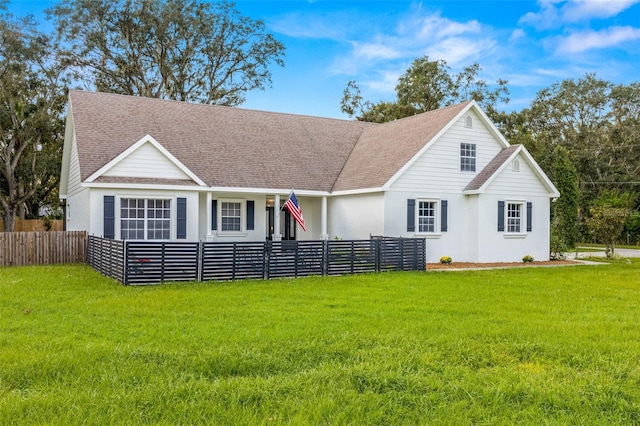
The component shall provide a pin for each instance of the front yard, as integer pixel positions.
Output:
(527, 345)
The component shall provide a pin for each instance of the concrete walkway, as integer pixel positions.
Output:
(619, 252)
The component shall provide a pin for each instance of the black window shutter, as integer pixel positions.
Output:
(214, 215)
(109, 230)
(500, 216)
(529, 216)
(411, 215)
(181, 218)
(250, 215)
(444, 206)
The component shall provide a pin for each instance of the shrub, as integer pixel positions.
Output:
(527, 258)
(445, 260)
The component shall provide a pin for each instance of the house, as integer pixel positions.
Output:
(147, 169)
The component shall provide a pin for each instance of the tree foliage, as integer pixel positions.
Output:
(597, 122)
(564, 218)
(425, 86)
(606, 223)
(31, 101)
(187, 50)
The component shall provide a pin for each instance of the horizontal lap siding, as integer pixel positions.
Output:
(522, 183)
(147, 162)
(438, 170)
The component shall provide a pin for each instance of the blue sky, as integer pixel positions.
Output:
(532, 44)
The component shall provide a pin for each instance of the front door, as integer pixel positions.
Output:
(287, 223)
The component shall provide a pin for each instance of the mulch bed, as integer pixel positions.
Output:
(470, 265)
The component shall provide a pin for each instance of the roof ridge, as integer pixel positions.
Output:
(196, 104)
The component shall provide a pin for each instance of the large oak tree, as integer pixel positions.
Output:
(187, 50)
(31, 102)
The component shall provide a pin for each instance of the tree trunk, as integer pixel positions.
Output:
(9, 219)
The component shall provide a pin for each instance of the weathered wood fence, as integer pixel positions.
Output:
(133, 262)
(42, 248)
(34, 225)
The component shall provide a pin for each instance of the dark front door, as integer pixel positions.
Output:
(287, 224)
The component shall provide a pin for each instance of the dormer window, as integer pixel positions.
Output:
(468, 121)
(467, 157)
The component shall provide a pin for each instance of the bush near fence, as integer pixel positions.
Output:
(42, 248)
(143, 262)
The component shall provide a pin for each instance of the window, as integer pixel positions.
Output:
(427, 216)
(142, 219)
(515, 165)
(468, 121)
(231, 216)
(514, 217)
(468, 157)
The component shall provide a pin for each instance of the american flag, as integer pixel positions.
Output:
(294, 209)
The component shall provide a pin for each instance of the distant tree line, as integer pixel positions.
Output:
(584, 133)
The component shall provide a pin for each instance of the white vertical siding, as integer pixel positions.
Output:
(146, 162)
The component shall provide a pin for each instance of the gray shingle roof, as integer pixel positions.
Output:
(491, 168)
(383, 150)
(234, 147)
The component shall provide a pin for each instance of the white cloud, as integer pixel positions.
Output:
(579, 10)
(375, 51)
(555, 13)
(587, 40)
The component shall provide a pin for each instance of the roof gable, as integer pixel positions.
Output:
(487, 175)
(385, 151)
(146, 159)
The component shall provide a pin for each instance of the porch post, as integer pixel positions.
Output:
(209, 236)
(277, 236)
(323, 219)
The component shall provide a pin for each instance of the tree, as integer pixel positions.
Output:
(606, 223)
(30, 125)
(187, 50)
(425, 86)
(564, 221)
(596, 121)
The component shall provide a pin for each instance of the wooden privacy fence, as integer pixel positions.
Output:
(34, 225)
(42, 248)
(132, 262)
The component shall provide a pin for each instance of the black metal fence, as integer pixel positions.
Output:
(132, 262)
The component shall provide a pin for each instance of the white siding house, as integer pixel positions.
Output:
(138, 168)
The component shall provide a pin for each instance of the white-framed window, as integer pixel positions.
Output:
(514, 217)
(145, 219)
(230, 216)
(468, 121)
(467, 157)
(427, 219)
(515, 165)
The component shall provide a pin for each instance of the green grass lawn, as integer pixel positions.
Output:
(528, 345)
